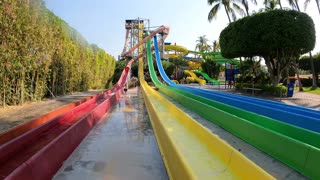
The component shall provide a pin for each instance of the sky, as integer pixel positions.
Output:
(102, 22)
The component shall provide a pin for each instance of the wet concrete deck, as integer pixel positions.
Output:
(121, 146)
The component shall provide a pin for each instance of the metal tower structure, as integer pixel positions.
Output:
(134, 33)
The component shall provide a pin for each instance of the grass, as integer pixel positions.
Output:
(308, 89)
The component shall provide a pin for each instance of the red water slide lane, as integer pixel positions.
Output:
(19, 130)
(19, 157)
(45, 163)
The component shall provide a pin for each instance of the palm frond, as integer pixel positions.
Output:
(292, 4)
(213, 12)
(254, 2)
(238, 9)
(210, 2)
(306, 4)
(233, 14)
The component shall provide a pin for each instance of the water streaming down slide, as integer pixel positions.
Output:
(297, 147)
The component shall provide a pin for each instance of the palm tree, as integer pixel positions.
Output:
(271, 4)
(314, 83)
(202, 44)
(246, 5)
(279, 2)
(216, 46)
(308, 1)
(229, 6)
(294, 4)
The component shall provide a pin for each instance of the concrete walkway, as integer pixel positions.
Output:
(303, 99)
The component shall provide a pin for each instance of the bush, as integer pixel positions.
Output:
(267, 88)
(276, 91)
(306, 82)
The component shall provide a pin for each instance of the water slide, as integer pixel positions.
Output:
(66, 127)
(195, 77)
(295, 146)
(207, 77)
(176, 51)
(172, 134)
(189, 150)
(215, 56)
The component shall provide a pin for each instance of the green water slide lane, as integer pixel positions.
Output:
(206, 77)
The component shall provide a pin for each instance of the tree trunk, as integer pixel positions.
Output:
(297, 5)
(287, 74)
(22, 88)
(4, 91)
(314, 82)
(227, 14)
(274, 79)
(318, 6)
(297, 72)
(280, 4)
(247, 11)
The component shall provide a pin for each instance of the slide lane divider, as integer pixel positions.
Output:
(190, 151)
(277, 105)
(299, 155)
(308, 122)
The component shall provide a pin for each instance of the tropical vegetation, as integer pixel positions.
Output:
(279, 36)
(41, 55)
(305, 64)
(202, 44)
(231, 8)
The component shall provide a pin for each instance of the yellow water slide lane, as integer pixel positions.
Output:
(189, 150)
(195, 77)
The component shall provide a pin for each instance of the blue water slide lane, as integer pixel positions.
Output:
(301, 117)
(296, 109)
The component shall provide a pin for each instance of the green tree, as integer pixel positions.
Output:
(295, 5)
(202, 44)
(305, 64)
(216, 46)
(230, 7)
(168, 67)
(279, 36)
(211, 67)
